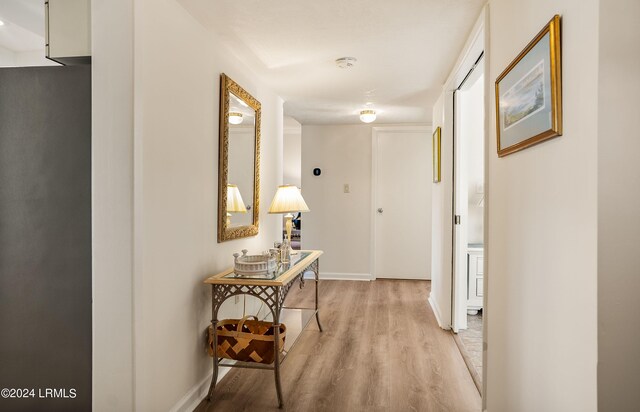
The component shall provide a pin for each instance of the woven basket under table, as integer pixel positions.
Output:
(246, 340)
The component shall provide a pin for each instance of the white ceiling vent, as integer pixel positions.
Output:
(346, 62)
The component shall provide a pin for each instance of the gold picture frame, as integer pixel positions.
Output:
(529, 93)
(436, 154)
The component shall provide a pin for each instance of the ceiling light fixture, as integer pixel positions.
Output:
(346, 62)
(367, 116)
(1, 23)
(235, 117)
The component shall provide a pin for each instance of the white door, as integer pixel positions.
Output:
(402, 202)
(460, 215)
(468, 160)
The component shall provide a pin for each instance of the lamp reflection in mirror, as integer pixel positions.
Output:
(235, 117)
(234, 202)
(288, 200)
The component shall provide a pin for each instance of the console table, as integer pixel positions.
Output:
(272, 290)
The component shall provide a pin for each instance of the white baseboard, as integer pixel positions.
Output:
(192, 399)
(341, 276)
(436, 312)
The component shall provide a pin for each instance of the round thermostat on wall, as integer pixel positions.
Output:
(317, 171)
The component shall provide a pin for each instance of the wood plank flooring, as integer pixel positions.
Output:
(382, 350)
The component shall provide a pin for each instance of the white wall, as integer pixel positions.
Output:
(441, 217)
(618, 206)
(10, 58)
(176, 118)
(339, 223)
(292, 158)
(112, 147)
(7, 58)
(33, 58)
(155, 200)
(542, 208)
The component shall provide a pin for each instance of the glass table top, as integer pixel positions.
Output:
(280, 269)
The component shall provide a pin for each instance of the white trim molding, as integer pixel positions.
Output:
(341, 276)
(197, 393)
(436, 312)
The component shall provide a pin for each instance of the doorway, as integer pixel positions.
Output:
(292, 171)
(401, 197)
(468, 210)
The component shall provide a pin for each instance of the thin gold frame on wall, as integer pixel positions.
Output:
(225, 233)
(436, 145)
(553, 28)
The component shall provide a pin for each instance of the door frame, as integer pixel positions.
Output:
(459, 287)
(375, 132)
(479, 39)
(460, 264)
(476, 43)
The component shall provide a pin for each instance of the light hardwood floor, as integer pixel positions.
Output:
(382, 350)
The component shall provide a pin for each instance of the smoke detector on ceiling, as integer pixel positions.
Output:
(346, 62)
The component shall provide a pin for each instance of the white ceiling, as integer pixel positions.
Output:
(23, 28)
(405, 50)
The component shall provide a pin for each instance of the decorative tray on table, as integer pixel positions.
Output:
(253, 265)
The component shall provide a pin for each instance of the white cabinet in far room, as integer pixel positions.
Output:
(475, 278)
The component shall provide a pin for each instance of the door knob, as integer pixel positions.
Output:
(380, 210)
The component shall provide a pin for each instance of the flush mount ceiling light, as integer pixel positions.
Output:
(235, 117)
(346, 62)
(367, 116)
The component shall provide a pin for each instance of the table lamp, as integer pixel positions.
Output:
(288, 200)
(234, 202)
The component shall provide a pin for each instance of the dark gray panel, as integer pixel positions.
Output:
(45, 235)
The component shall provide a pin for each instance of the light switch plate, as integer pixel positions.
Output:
(347, 189)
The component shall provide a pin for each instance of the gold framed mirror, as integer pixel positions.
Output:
(238, 163)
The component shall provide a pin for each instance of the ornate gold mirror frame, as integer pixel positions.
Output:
(225, 231)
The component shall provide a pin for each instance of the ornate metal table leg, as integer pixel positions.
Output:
(214, 323)
(214, 378)
(316, 272)
(276, 334)
(276, 368)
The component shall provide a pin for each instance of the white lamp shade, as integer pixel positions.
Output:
(288, 199)
(367, 116)
(235, 117)
(234, 200)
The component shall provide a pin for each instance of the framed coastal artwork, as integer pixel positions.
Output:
(529, 94)
(435, 149)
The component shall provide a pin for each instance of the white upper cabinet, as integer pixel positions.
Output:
(68, 31)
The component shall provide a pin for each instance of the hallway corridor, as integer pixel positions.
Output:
(382, 350)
